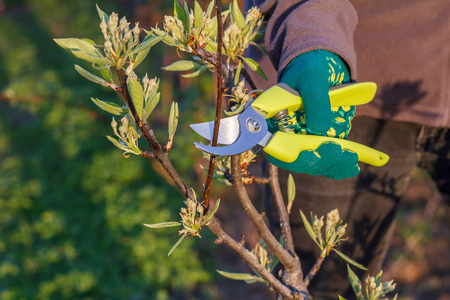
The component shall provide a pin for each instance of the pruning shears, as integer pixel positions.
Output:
(248, 129)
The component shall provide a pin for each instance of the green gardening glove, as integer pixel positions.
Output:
(312, 74)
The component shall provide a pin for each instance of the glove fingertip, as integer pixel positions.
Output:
(318, 114)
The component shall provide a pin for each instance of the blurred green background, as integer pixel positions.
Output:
(72, 208)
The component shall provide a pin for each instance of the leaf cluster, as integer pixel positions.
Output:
(122, 50)
(192, 29)
(334, 232)
(373, 289)
(193, 219)
(265, 258)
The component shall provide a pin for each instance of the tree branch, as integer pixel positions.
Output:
(147, 154)
(314, 270)
(147, 132)
(293, 276)
(285, 258)
(281, 209)
(258, 180)
(223, 237)
(219, 83)
(207, 56)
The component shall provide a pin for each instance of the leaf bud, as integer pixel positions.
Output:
(113, 123)
(341, 231)
(112, 22)
(109, 47)
(136, 32)
(103, 28)
(145, 81)
(128, 36)
(318, 223)
(333, 218)
(253, 15)
(124, 25)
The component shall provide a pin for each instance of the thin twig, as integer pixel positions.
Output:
(314, 270)
(281, 209)
(148, 154)
(293, 276)
(207, 56)
(147, 132)
(285, 258)
(219, 74)
(216, 228)
(255, 180)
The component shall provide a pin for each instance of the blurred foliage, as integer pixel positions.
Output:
(71, 207)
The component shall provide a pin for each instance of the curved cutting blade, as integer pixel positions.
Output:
(228, 130)
(251, 130)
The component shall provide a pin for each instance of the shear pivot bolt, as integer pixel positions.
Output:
(253, 125)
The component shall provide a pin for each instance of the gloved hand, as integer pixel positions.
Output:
(312, 74)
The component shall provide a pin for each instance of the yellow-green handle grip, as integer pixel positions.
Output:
(286, 146)
(281, 96)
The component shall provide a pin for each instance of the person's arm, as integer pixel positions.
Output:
(296, 27)
(310, 43)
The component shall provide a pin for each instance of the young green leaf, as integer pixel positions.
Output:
(163, 224)
(211, 29)
(196, 73)
(290, 192)
(349, 260)
(259, 47)
(147, 44)
(166, 38)
(240, 276)
(198, 14)
(110, 107)
(210, 8)
(122, 147)
(173, 119)
(309, 229)
(211, 46)
(355, 283)
(151, 103)
(89, 41)
(116, 143)
(178, 12)
(254, 66)
(187, 24)
(341, 298)
(238, 73)
(106, 74)
(101, 14)
(82, 49)
(91, 77)
(237, 16)
(177, 244)
(211, 213)
(137, 95)
(182, 65)
(378, 278)
(140, 57)
(237, 110)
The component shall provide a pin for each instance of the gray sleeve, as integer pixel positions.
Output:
(296, 27)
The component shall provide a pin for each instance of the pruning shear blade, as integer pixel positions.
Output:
(239, 133)
(228, 130)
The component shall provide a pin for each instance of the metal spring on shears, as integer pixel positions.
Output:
(283, 121)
